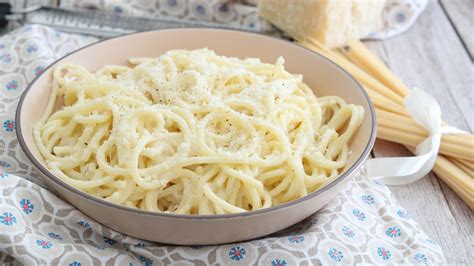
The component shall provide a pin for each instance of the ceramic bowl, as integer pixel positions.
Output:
(325, 77)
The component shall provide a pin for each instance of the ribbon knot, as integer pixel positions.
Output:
(426, 112)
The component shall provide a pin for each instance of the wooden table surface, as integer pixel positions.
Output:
(436, 54)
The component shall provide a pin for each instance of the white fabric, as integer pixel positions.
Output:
(398, 15)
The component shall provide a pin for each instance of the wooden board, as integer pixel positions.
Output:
(432, 56)
(460, 13)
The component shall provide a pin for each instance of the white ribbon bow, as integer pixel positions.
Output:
(403, 170)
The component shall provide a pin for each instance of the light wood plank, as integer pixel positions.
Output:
(432, 57)
(460, 13)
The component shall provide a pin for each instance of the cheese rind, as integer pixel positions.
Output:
(332, 22)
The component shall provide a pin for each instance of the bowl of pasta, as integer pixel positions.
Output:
(196, 133)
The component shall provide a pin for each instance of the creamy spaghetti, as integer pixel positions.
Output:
(192, 132)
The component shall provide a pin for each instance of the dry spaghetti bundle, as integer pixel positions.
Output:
(455, 163)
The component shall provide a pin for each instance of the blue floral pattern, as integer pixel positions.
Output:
(4, 164)
(296, 239)
(398, 16)
(83, 223)
(44, 244)
(109, 241)
(55, 236)
(335, 255)
(403, 214)
(31, 48)
(26, 206)
(146, 261)
(38, 70)
(3, 175)
(75, 263)
(5, 57)
(201, 9)
(359, 214)
(393, 232)
(237, 253)
(348, 232)
(384, 253)
(7, 218)
(278, 262)
(368, 199)
(8, 125)
(12, 85)
(422, 258)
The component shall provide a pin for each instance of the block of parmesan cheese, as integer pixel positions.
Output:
(332, 22)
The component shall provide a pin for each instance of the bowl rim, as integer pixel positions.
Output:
(352, 169)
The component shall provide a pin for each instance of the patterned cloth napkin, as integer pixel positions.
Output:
(398, 15)
(364, 224)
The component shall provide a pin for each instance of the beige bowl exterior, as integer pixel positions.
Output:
(319, 73)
